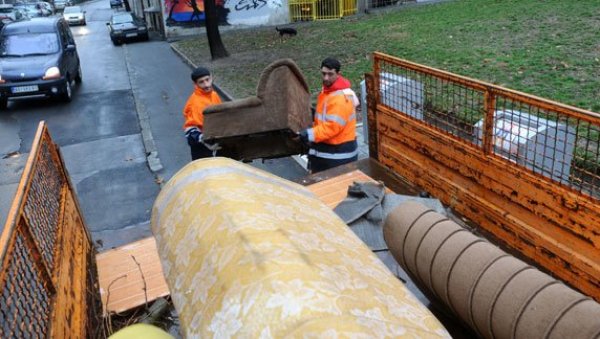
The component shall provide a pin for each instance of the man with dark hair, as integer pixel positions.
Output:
(332, 138)
(203, 96)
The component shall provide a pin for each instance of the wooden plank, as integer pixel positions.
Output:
(117, 269)
(332, 191)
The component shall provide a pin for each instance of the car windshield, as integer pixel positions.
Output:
(121, 19)
(28, 44)
(75, 9)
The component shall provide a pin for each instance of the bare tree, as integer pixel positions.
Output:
(174, 3)
(196, 11)
(217, 49)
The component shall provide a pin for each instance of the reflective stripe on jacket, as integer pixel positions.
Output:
(195, 106)
(344, 150)
(335, 118)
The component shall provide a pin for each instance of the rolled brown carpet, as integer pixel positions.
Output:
(492, 292)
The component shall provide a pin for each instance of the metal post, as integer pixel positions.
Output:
(488, 122)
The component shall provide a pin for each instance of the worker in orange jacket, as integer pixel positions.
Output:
(332, 138)
(203, 96)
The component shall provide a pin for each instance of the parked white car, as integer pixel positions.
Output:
(61, 4)
(47, 6)
(74, 15)
(33, 9)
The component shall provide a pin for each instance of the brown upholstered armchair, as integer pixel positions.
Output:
(262, 126)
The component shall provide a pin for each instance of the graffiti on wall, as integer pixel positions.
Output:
(252, 12)
(189, 13)
(248, 5)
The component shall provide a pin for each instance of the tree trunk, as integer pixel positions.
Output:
(217, 49)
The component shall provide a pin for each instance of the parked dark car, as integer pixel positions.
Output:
(126, 26)
(38, 57)
(116, 3)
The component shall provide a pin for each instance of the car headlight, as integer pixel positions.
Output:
(52, 73)
(142, 28)
(118, 31)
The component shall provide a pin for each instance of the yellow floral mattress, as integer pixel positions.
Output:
(248, 254)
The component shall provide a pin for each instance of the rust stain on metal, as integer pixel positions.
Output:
(371, 115)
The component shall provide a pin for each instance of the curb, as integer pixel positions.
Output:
(148, 140)
(224, 94)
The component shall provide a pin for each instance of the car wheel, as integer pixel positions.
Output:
(68, 91)
(145, 37)
(3, 103)
(79, 76)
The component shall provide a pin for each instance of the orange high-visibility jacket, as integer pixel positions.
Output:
(195, 106)
(335, 118)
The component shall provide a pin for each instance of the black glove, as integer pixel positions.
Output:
(194, 136)
(303, 136)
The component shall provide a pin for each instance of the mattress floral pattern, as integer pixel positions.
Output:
(248, 254)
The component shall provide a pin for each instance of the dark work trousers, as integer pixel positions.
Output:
(316, 164)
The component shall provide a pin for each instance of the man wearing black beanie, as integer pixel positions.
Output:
(203, 96)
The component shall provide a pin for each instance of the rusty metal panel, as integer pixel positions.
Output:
(71, 274)
(43, 204)
(25, 299)
(524, 168)
(371, 115)
(48, 284)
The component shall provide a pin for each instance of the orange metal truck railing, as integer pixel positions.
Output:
(48, 284)
(525, 169)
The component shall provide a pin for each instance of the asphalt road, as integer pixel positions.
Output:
(100, 135)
